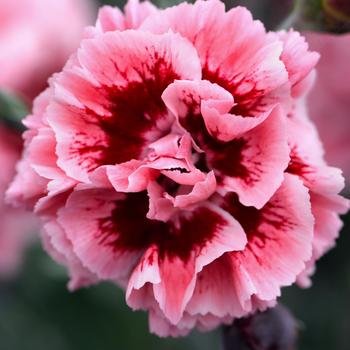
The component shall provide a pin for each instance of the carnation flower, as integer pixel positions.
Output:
(173, 155)
(15, 224)
(36, 38)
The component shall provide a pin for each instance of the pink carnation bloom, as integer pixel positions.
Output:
(176, 159)
(329, 100)
(36, 38)
(15, 224)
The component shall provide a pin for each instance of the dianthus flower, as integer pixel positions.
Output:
(173, 155)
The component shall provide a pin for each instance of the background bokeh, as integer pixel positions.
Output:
(38, 312)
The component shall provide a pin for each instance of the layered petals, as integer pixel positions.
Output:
(111, 242)
(116, 115)
(251, 165)
(235, 53)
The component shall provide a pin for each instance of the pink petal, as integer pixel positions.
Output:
(161, 207)
(134, 176)
(215, 292)
(60, 248)
(57, 193)
(225, 127)
(187, 99)
(202, 190)
(298, 59)
(95, 237)
(279, 243)
(176, 288)
(112, 19)
(136, 12)
(27, 186)
(163, 328)
(42, 154)
(109, 19)
(307, 156)
(326, 211)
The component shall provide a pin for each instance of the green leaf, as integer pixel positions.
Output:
(12, 109)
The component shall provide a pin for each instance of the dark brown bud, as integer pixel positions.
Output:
(274, 329)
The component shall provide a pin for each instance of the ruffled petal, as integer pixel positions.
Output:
(110, 18)
(279, 243)
(297, 58)
(328, 224)
(60, 248)
(307, 155)
(215, 292)
(92, 222)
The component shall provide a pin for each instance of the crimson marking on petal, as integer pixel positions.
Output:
(297, 166)
(128, 229)
(171, 187)
(135, 110)
(251, 218)
(228, 158)
(225, 158)
(193, 121)
(247, 104)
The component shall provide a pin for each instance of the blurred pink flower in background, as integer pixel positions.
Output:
(36, 37)
(329, 100)
(16, 225)
(177, 160)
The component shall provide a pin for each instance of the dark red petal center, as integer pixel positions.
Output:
(135, 111)
(251, 218)
(225, 158)
(131, 230)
